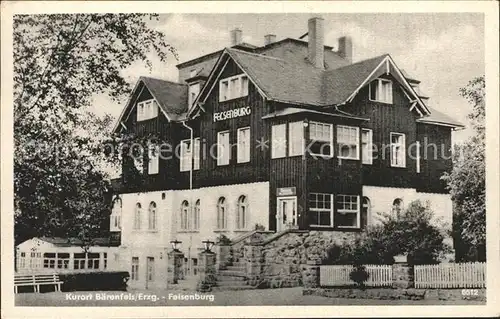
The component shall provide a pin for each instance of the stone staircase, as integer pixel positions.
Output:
(233, 277)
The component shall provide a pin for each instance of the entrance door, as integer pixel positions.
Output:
(287, 213)
(150, 271)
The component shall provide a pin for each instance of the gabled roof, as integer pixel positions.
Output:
(68, 242)
(172, 98)
(438, 118)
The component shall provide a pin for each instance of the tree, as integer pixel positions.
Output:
(466, 181)
(60, 62)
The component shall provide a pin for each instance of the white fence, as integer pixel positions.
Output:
(463, 275)
(338, 275)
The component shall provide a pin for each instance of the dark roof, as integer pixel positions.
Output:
(68, 242)
(172, 97)
(436, 117)
(301, 83)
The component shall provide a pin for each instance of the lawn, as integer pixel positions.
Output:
(264, 297)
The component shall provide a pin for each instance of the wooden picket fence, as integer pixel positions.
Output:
(338, 275)
(461, 275)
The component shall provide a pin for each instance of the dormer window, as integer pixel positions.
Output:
(147, 110)
(233, 87)
(381, 91)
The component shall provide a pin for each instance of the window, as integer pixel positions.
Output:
(105, 260)
(242, 213)
(79, 261)
(381, 90)
(185, 158)
(22, 260)
(278, 136)
(233, 87)
(397, 206)
(221, 213)
(147, 110)
(296, 137)
(194, 90)
(196, 215)
(398, 157)
(347, 211)
(63, 260)
(417, 160)
(139, 161)
(321, 136)
(152, 216)
(93, 260)
(49, 260)
(137, 216)
(366, 145)
(348, 142)
(320, 209)
(223, 148)
(151, 269)
(185, 215)
(116, 212)
(244, 145)
(194, 262)
(36, 260)
(153, 157)
(196, 154)
(365, 212)
(134, 273)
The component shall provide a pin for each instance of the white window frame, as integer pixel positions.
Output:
(239, 205)
(152, 216)
(221, 221)
(340, 127)
(243, 148)
(196, 215)
(146, 110)
(367, 154)
(196, 153)
(378, 93)
(185, 216)
(349, 211)
(322, 210)
(134, 271)
(296, 138)
(153, 159)
(278, 144)
(236, 87)
(185, 156)
(417, 160)
(116, 212)
(137, 216)
(315, 138)
(403, 150)
(226, 151)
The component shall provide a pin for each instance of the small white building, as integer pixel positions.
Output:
(60, 255)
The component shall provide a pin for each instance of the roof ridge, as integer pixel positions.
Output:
(359, 62)
(255, 54)
(163, 80)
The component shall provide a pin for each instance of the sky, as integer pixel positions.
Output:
(442, 50)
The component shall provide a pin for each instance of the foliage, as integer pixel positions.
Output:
(359, 275)
(410, 232)
(259, 227)
(223, 240)
(466, 181)
(61, 61)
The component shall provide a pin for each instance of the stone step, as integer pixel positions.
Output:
(232, 273)
(231, 283)
(231, 278)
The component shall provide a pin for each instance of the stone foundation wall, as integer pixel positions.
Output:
(285, 256)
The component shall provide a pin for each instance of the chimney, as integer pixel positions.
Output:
(236, 37)
(269, 38)
(316, 42)
(345, 48)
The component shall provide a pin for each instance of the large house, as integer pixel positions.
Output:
(287, 135)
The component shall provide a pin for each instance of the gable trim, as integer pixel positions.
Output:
(120, 118)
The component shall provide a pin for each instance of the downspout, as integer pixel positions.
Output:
(190, 185)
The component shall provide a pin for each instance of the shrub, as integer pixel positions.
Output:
(92, 281)
(259, 227)
(223, 240)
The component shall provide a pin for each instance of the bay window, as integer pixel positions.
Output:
(398, 151)
(321, 135)
(321, 209)
(348, 213)
(348, 142)
(380, 90)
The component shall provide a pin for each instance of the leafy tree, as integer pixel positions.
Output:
(466, 181)
(60, 62)
(411, 232)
